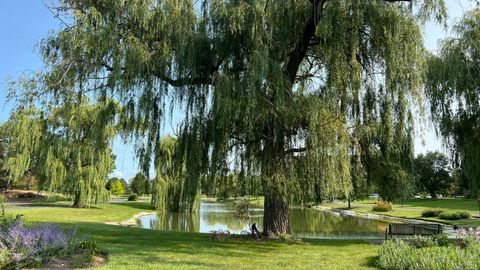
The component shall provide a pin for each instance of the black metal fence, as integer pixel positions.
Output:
(412, 229)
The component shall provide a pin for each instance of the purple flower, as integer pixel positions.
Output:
(27, 243)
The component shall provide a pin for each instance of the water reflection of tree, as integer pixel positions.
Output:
(168, 221)
(309, 221)
(304, 222)
(224, 214)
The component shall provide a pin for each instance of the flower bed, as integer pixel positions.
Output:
(29, 246)
(432, 253)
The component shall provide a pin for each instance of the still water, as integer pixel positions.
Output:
(304, 222)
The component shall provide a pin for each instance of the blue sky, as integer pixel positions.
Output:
(24, 22)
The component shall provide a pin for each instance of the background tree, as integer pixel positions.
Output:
(433, 173)
(452, 88)
(3, 171)
(117, 188)
(21, 137)
(140, 184)
(122, 181)
(271, 88)
(66, 147)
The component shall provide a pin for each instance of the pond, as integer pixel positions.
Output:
(304, 222)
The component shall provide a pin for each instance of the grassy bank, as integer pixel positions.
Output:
(135, 248)
(413, 209)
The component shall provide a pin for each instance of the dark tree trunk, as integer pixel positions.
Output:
(275, 216)
(349, 203)
(77, 202)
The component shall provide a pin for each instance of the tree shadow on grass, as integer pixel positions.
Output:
(372, 261)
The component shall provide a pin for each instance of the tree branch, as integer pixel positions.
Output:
(298, 54)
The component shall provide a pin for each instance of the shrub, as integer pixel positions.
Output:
(422, 241)
(440, 240)
(431, 213)
(133, 197)
(33, 245)
(395, 255)
(23, 247)
(454, 215)
(382, 206)
(5, 258)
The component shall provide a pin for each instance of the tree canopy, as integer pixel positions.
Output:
(433, 173)
(452, 88)
(67, 147)
(274, 89)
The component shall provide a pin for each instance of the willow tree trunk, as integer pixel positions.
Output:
(275, 216)
(77, 201)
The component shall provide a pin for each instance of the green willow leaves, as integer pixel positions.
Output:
(272, 89)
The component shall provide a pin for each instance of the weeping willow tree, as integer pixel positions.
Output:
(170, 190)
(268, 89)
(20, 137)
(66, 147)
(452, 88)
(383, 151)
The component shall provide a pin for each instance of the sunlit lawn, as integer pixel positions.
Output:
(135, 248)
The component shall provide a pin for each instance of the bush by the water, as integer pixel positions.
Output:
(454, 215)
(431, 213)
(429, 255)
(382, 206)
(133, 197)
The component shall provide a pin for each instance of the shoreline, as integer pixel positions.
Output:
(375, 216)
(132, 222)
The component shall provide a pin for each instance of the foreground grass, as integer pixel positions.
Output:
(135, 248)
(413, 209)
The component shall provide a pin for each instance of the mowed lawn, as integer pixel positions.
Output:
(135, 248)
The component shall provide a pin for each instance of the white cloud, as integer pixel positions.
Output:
(117, 174)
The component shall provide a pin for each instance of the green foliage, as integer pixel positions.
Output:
(5, 258)
(117, 188)
(171, 188)
(66, 147)
(122, 182)
(430, 255)
(419, 241)
(454, 215)
(270, 88)
(431, 213)
(242, 211)
(132, 197)
(140, 184)
(393, 181)
(432, 172)
(452, 88)
(382, 206)
(21, 138)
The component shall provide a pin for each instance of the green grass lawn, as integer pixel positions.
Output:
(135, 248)
(413, 209)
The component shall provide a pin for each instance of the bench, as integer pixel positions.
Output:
(412, 229)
